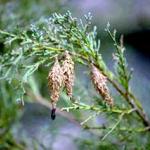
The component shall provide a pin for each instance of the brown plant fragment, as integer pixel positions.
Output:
(68, 72)
(55, 80)
(99, 81)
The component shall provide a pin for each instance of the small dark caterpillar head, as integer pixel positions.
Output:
(53, 115)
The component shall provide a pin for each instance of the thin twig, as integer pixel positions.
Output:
(90, 117)
(120, 129)
(82, 106)
(113, 128)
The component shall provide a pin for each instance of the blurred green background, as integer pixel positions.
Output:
(30, 127)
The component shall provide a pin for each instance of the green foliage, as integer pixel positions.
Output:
(123, 75)
(26, 50)
(14, 13)
(8, 115)
(45, 40)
